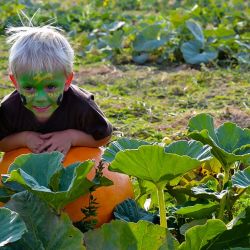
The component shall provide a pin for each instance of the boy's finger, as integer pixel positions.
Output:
(52, 148)
(45, 136)
(45, 145)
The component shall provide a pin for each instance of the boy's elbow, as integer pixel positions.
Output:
(2, 147)
(103, 141)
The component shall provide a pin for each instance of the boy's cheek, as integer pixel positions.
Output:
(29, 100)
(26, 99)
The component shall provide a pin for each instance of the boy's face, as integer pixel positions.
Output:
(42, 92)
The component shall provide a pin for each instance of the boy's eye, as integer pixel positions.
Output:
(51, 88)
(29, 89)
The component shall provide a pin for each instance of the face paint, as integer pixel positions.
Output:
(42, 93)
(23, 99)
(59, 99)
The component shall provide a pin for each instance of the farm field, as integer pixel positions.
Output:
(166, 74)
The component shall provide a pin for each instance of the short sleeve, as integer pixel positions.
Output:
(95, 123)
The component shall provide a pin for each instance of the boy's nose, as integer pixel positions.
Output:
(40, 96)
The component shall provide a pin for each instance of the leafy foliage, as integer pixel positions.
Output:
(49, 187)
(122, 235)
(192, 148)
(205, 232)
(151, 163)
(197, 210)
(196, 51)
(51, 181)
(241, 179)
(60, 233)
(121, 145)
(117, 35)
(129, 211)
(236, 235)
(12, 227)
(226, 149)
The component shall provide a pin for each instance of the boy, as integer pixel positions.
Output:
(46, 112)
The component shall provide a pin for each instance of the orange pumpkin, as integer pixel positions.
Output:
(107, 197)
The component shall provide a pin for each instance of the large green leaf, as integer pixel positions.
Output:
(114, 26)
(148, 46)
(228, 142)
(46, 165)
(150, 162)
(203, 191)
(194, 149)
(187, 226)
(149, 39)
(241, 179)
(150, 32)
(196, 30)
(46, 230)
(12, 227)
(222, 32)
(129, 211)
(5, 194)
(134, 236)
(198, 236)
(237, 235)
(114, 41)
(120, 145)
(198, 210)
(79, 185)
(141, 58)
(194, 53)
(63, 184)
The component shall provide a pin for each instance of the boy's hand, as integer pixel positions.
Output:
(33, 141)
(55, 141)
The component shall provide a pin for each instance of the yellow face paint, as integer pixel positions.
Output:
(42, 92)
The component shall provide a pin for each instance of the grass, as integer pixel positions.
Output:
(152, 102)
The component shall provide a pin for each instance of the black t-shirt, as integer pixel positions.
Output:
(77, 111)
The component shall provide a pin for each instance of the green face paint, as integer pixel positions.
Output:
(42, 92)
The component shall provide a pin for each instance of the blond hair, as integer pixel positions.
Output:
(38, 49)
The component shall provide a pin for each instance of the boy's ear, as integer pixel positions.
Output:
(14, 81)
(68, 81)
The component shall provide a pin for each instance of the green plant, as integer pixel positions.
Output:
(231, 146)
(158, 165)
(39, 187)
(197, 51)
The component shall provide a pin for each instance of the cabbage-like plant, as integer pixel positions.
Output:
(36, 189)
(231, 146)
(197, 51)
(12, 227)
(44, 175)
(156, 163)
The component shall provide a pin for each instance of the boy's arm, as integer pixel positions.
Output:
(28, 139)
(79, 138)
(63, 140)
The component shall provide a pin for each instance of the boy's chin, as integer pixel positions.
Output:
(42, 118)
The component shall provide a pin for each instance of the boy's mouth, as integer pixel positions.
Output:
(41, 109)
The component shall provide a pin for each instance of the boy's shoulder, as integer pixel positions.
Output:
(76, 94)
(11, 100)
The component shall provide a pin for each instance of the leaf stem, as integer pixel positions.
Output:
(162, 206)
(224, 199)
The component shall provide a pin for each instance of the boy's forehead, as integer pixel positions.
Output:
(39, 77)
